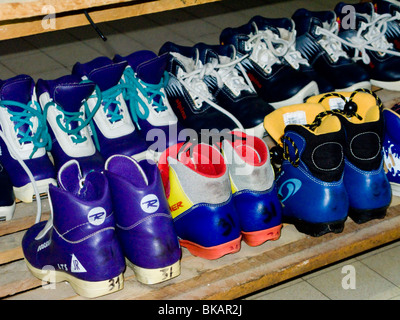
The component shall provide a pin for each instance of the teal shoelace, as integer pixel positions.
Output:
(133, 86)
(39, 138)
(66, 120)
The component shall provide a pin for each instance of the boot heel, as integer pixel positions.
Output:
(157, 275)
(88, 289)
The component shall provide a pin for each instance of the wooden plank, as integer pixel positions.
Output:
(24, 217)
(24, 27)
(26, 9)
(10, 247)
(252, 268)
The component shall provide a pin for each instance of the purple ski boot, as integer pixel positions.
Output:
(64, 101)
(24, 138)
(144, 80)
(78, 243)
(113, 130)
(144, 223)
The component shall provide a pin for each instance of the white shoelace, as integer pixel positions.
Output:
(374, 39)
(267, 48)
(330, 41)
(193, 81)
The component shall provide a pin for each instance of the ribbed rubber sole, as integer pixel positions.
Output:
(316, 229)
(152, 276)
(362, 216)
(256, 238)
(88, 289)
(212, 253)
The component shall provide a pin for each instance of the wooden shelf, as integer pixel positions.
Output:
(24, 18)
(230, 277)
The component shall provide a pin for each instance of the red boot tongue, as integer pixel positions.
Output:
(203, 159)
(248, 154)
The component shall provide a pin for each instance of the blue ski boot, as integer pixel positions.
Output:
(310, 177)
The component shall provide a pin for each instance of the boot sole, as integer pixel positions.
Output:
(316, 229)
(256, 238)
(6, 213)
(212, 253)
(88, 289)
(26, 193)
(362, 216)
(153, 276)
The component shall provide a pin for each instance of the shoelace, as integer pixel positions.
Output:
(111, 105)
(370, 36)
(193, 81)
(267, 48)
(331, 42)
(151, 92)
(29, 173)
(293, 56)
(262, 49)
(349, 110)
(67, 120)
(31, 116)
(40, 139)
(108, 99)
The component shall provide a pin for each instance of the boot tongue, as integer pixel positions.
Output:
(87, 188)
(103, 71)
(69, 93)
(310, 19)
(69, 177)
(148, 66)
(128, 168)
(207, 54)
(18, 89)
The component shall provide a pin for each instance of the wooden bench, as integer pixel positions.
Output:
(230, 277)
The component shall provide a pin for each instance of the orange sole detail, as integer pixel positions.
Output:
(257, 238)
(212, 253)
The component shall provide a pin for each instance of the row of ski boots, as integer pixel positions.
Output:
(331, 161)
(350, 47)
(104, 107)
(204, 196)
(269, 63)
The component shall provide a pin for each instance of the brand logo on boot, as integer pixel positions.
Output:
(76, 266)
(96, 216)
(150, 203)
(289, 187)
